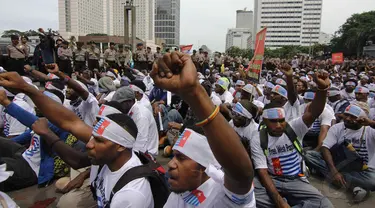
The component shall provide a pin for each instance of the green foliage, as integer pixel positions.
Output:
(236, 51)
(287, 52)
(8, 33)
(353, 34)
(97, 34)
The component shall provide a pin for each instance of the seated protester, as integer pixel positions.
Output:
(221, 90)
(249, 93)
(239, 85)
(348, 91)
(35, 164)
(371, 95)
(318, 131)
(337, 102)
(208, 87)
(12, 127)
(87, 78)
(278, 161)
(149, 84)
(356, 133)
(195, 156)
(82, 103)
(301, 88)
(106, 89)
(361, 96)
(266, 98)
(242, 121)
(147, 138)
(139, 89)
(111, 150)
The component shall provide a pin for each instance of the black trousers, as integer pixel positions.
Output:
(112, 64)
(11, 155)
(141, 65)
(149, 64)
(66, 67)
(16, 65)
(93, 64)
(79, 66)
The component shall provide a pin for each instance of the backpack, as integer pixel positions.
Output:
(290, 134)
(150, 170)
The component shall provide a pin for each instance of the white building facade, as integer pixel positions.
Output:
(79, 18)
(244, 19)
(238, 37)
(288, 22)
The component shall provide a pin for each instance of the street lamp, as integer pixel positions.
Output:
(129, 8)
(310, 30)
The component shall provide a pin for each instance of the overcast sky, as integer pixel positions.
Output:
(202, 21)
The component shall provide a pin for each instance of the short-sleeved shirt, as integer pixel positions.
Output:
(17, 52)
(282, 159)
(226, 97)
(325, 118)
(87, 109)
(12, 127)
(136, 193)
(148, 136)
(246, 132)
(338, 133)
(93, 54)
(211, 194)
(140, 55)
(150, 57)
(80, 55)
(123, 56)
(110, 55)
(292, 111)
(64, 53)
(157, 55)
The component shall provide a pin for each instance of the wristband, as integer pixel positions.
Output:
(322, 89)
(209, 118)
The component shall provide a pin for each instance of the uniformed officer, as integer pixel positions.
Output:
(206, 61)
(122, 56)
(93, 55)
(150, 58)
(158, 53)
(79, 58)
(65, 55)
(140, 59)
(24, 40)
(110, 56)
(17, 54)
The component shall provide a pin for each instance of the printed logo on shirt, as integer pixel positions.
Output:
(183, 138)
(102, 201)
(287, 164)
(195, 198)
(34, 146)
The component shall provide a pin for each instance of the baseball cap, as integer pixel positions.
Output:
(123, 94)
(223, 82)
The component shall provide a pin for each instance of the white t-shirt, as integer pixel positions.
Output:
(348, 96)
(226, 97)
(32, 154)
(247, 131)
(325, 117)
(87, 110)
(136, 193)
(291, 111)
(215, 99)
(145, 102)
(338, 133)
(283, 158)
(210, 194)
(264, 100)
(9, 202)
(148, 136)
(12, 127)
(95, 87)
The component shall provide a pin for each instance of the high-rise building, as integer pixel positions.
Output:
(244, 19)
(80, 17)
(288, 22)
(239, 36)
(145, 14)
(167, 21)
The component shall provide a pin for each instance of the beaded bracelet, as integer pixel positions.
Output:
(209, 118)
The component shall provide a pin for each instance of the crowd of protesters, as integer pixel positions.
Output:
(232, 140)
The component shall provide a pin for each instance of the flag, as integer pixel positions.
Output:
(186, 48)
(255, 65)
(183, 138)
(337, 58)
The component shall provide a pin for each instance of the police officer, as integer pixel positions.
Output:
(150, 58)
(122, 56)
(17, 54)
(79, 58)
(140, 58)
(158, 53)
(65, 55)
(24, 40)
(110, 56)
(93, 55)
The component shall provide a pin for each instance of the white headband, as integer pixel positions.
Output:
(238, 108)
(106, 110)
(274, 113)
(113, 132)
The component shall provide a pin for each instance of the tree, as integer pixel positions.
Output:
(236, 51)
(353, 34)
(8, 33)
